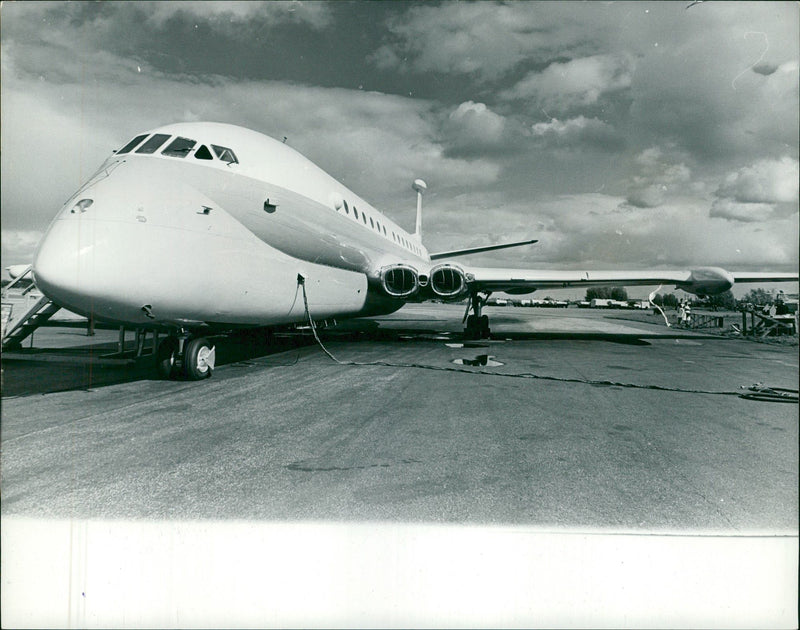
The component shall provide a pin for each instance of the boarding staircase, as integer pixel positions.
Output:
(37, 313)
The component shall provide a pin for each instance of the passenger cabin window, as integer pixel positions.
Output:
(225, 154)
(133, 143)
(179, 147)
(346, 209)
(203, 153)
(355, 211)
(153, 143)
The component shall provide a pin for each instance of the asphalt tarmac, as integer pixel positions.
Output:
(565, 421)
(544, 437)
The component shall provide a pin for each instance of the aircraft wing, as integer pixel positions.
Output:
(757, 276)
(702, 280)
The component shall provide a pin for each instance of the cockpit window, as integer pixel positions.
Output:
(179, 147)
(133, 143)
(203, 153)
(224, 154)
(153, 143)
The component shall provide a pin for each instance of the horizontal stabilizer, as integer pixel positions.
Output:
(476, 250)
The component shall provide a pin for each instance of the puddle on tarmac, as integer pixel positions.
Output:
(480, 360)
(443, 336)
(468, 344)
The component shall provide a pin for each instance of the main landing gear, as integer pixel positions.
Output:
(183, 356)
(477, 325)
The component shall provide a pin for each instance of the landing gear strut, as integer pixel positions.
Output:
(183, 356)
(477, 325)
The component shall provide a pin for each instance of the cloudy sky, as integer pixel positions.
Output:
(621, 135)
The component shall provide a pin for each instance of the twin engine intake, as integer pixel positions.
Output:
(445, 282)
(448, 282)
(400, 281)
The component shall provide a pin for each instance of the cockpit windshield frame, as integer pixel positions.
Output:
(225, 154)
(132, 144)
(153, 144)
(179, 147)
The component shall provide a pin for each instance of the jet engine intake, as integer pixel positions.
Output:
(399, 281)
(448, 282)
(708, 281)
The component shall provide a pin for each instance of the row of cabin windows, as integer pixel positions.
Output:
(179, 147)
(376, 225)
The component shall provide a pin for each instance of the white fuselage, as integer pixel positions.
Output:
(158, 240)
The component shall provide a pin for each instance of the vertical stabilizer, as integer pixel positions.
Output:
(420, 186)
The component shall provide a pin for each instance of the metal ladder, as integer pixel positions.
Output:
(41, 310)
(18, 279)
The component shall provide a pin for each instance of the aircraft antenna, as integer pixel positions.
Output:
(420, 186)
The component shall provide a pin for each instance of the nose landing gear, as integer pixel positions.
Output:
(181, 356)
(199, 359)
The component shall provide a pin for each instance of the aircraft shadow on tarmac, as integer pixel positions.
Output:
(83, 367)
(53, 373)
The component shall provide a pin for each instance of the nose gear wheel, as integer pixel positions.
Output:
(192, 359)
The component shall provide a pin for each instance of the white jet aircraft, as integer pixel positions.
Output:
(200, 227)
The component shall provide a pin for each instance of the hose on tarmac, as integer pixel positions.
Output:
(758, 391)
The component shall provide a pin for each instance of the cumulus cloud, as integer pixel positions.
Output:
(737, 211)
(766, 181)
(315, 14)
(18, 246)
(576, 132)
(755, 192)
(482, 38)
(473, 127)
(596, 230)
(711, 93)
(576, 83)
(659, 174)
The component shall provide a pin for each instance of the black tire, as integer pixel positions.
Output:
(472, 331)
(483, 326)
(198, 359)
(166, 356)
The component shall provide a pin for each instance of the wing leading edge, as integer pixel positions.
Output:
(702, 280)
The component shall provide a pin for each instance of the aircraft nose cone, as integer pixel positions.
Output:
(63, 266)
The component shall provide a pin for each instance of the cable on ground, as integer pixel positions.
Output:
(774, 394)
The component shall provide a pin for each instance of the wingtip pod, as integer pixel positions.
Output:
(714, 280)
(707, 281)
